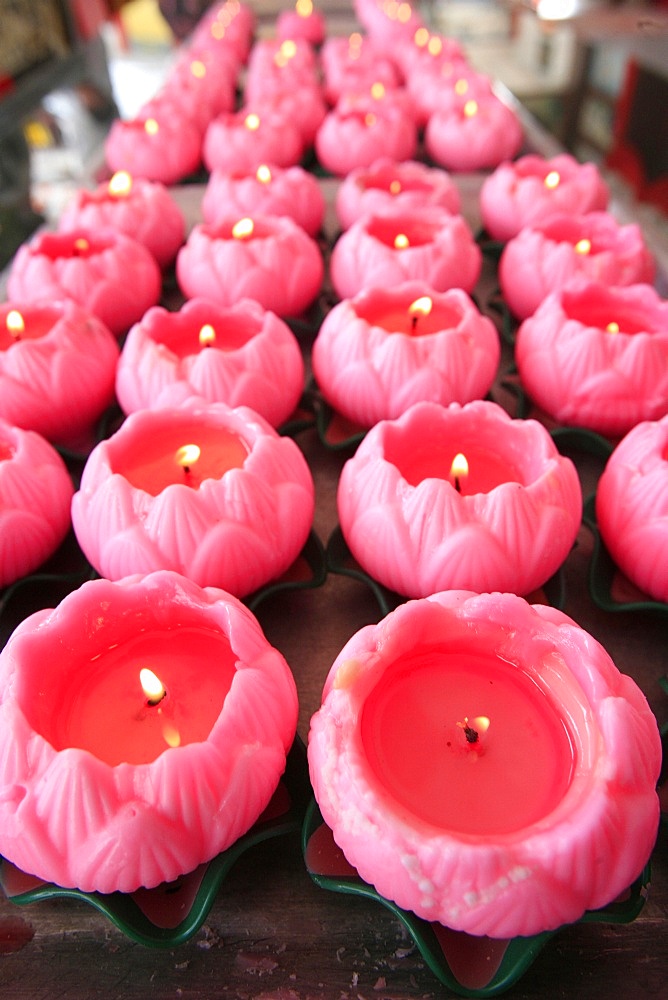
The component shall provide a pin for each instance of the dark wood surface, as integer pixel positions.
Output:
(271, 933)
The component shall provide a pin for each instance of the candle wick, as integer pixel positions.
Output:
(156, 699)
(458, 487)
(472, 735)
(414, 322)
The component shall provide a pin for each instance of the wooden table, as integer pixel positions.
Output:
(273, 934)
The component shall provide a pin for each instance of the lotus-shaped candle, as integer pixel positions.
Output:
(596, 356)
(205, 490)
(109, 274)
(139, 208)
(532, 188)
(353, 136)
(164, 149)
(144, 728)
(380, 352)
(387, 185)
(57, 369)
(241, 355)
(267, 258)
(245, 139)
(483, 763)
(475, 133)
(632, 507)
(426, 244)
(546, 255)
(269, 190)
(459, 497)
(35, 495)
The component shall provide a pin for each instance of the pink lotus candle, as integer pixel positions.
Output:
(203, 489)
(164, 149)
(442, 81)
(426, 244)
(380, 352)
(426, 50)
(245, 139)
(474, 134)
(388, 23)
(519, 194)
(226, 25)
(267, 258)
(241, 355)
(352, 137)
(387, 185)
(632, 507)
(57, 369)
(473, 756)
(597, 357)
(199, 86)
(303, 22)
(289, 61)
(145, 726)
(108, 273)
(546, 255)
(355, 64)
(459, 496)
(141, 209)
(304, 106)
(269, 190)
(35, 495)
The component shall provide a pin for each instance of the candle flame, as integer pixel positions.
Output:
(207, 335)
(288, 49)
(354, 45)
(15, 323)
(171, 735)
(421, 37)
(401, 241)
(151, 126)
(263, 174)
(81, 245)
(552, 179)
(395, 187)
(461, 87)
(435, 46)
(612, 327)
(242, 229)
(120, 184)
(304, 8)
(421, 306)
(187, 455)
(459, 469)
(217, 30)
(471, 109)
(370, 120)
(378, 90)
(474, 728)
(583, 246)
(252, 122)
(151, 686)
(198, 69)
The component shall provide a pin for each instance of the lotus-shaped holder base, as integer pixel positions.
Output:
(171, 913)
(469, 966)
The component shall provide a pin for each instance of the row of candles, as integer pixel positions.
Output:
(196, 501)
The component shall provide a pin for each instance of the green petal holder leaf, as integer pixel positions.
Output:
(469, 966)
(171, 913)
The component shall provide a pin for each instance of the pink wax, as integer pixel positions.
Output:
(532, 188)
(388, 23)
(108, 788)
(57, 369)
(383, 350)
(142, 209)
(238, 523)
(386, 185)
(270, 259)
(269, 190)
(632, 507)
(245, 139)
(545, 256)
(428, 244)
(304, 22)
(596, 356)
(109, 274)
(35, 495)
(355, 137)
(483, 763)
(225, 26)
(199, 87)
(289, 61)
(475, 133)
(304, 106)
(418, 522)
(164, 149)
(441, 82)
(355, 63)
(526, 750)
(241, 356)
